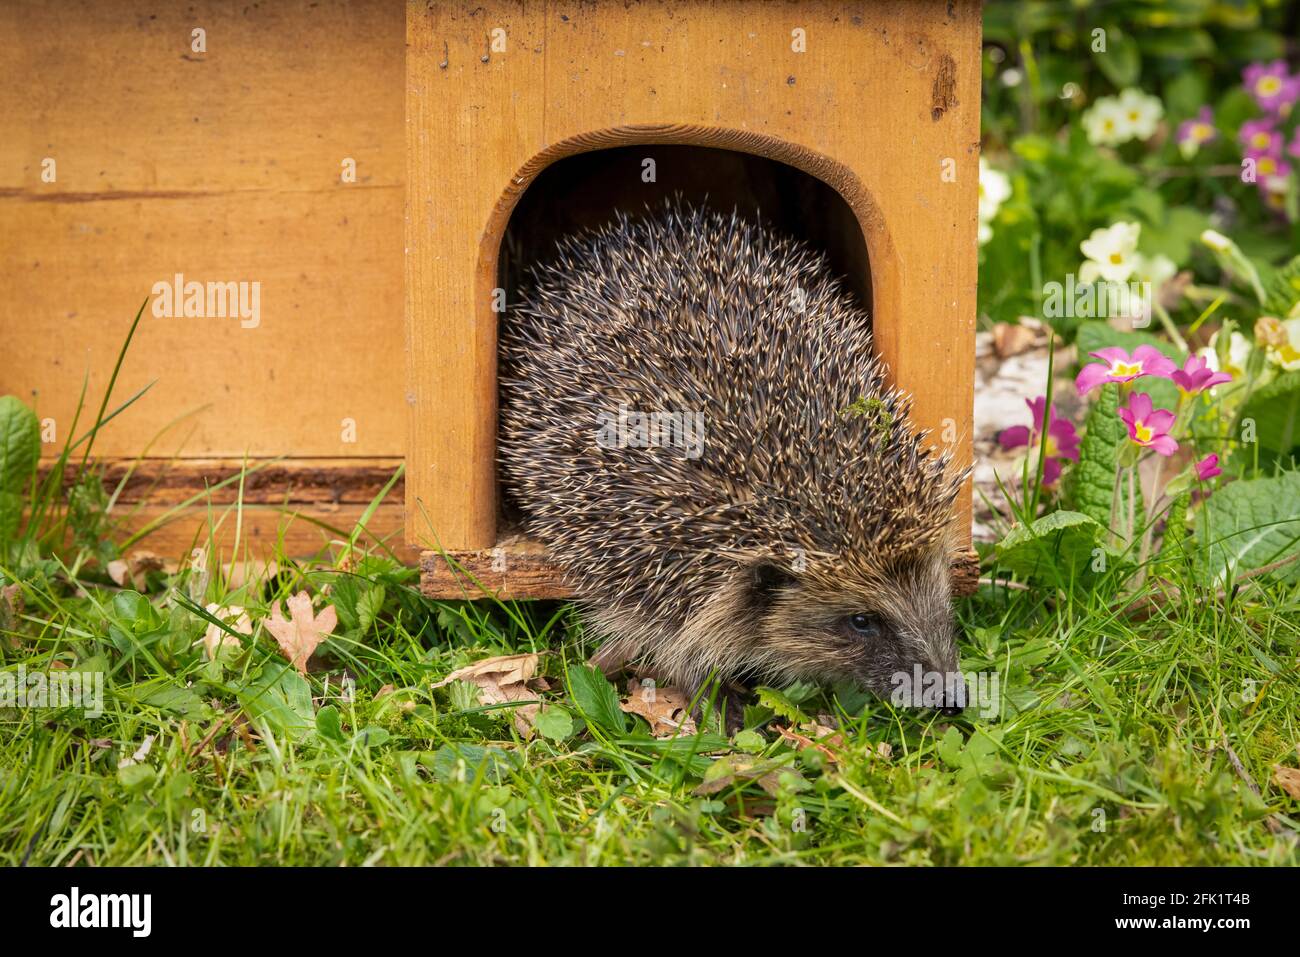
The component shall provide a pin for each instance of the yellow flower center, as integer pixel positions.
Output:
(1260, 141)
(1108, 125)
(1126, 368)
(1141, 432)
(1133, 116)
(1268, 85)
(1202, 131)
(1051, 450)
(1116, 258)
(1266, 165)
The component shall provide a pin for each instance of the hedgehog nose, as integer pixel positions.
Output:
(954, 699)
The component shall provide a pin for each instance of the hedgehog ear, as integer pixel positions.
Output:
(766, 579)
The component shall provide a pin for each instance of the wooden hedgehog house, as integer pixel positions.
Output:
(490, 131)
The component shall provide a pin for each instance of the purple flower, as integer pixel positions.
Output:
(1261, 137)
(1062, 439)
(1207, 468)
(1270, 166)
(1121, 367)
(1197, 376)
(1148, 427)
(1273, 88)
(1294, 146)
(1196, 132)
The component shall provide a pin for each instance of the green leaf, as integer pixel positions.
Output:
(1251, 524)
(1178, 44)
(1283, 291)
(1244, 45)
(136, 777)
(369, 605)
(278, 700)
(554, 723)
(1175, 536)
(371, 737)
(177, 700)
(1275, 409)
(1122, 61)
(20, 450)
(1174, 234)
(1056, 547)
(328, 723)
(782, 705)
(596, 698)
(20, 443)
(1090, 486)
(452, 760)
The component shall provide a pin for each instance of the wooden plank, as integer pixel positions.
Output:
(885, 100)
(469, 114)
(287, 481)
(264, 531)
(518, 567)
(222, 166)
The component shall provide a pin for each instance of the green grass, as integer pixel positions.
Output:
(1110, 748)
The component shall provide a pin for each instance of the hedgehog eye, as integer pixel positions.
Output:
(864, 626)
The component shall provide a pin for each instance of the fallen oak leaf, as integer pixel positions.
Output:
(503, 680)
(666, 710)
(299, 635)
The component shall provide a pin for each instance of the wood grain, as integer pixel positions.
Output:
(262, 532)
(220, 166)
(288, 481)
(519, 568)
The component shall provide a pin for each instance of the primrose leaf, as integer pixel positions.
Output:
(1056, 547)
(1091, 483)
(1251, 524)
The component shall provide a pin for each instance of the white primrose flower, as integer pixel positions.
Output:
(1142, 112)
(1239, 349)
(1113, 251)
(995, 189)
(1106, 123)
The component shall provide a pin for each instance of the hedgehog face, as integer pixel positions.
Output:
(889, 631)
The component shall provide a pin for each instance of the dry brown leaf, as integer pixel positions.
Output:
(118, 570)
(736, 768)
(1011, 340)
(502, 680)
(11, 607)
(817, 736)
(666, 710)
(299, 635)
(1288, 779)
(215, 637)
(131, 572)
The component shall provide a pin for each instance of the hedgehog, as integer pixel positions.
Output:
(694, 423)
